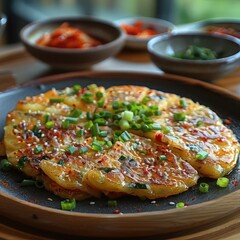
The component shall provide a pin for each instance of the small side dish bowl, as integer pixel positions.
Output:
(140, 43)
(109, 34)
(163, 51)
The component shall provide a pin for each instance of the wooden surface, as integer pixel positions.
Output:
(16, 67)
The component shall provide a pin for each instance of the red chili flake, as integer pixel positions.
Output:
(74, 105)
(186, 204)
(236, 183)
(158, 137)
(227, 121)
(204, 139)
(186, 126)
(57, 134)
(116, 211)
(221, 139)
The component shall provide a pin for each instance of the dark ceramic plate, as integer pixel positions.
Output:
(223, 103)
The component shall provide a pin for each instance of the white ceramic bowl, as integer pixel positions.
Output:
(140, 43)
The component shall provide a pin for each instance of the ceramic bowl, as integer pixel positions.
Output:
(109, 33)
(140, 43)
(162, 49)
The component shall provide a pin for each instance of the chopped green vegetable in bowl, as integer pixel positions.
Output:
(197, 53)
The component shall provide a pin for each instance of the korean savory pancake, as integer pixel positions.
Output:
(142, 168)
(125, 140)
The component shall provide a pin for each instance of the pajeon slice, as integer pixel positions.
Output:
(62, 101)
(141, 168)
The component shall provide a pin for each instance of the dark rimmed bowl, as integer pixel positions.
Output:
(109, 33)
(162, 49)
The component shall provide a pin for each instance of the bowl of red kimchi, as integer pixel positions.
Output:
(72, 42)
(139, 30)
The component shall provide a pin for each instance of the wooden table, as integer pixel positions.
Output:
(17, 66)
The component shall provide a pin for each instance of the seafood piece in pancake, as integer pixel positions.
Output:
(142, 168)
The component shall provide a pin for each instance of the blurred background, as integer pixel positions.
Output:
(21, 12)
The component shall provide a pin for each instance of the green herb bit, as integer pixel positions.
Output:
(136, 126)
(201, 155)
(116, 105)
(106, 169)
(100, 103)
(49, 124)
(96, 146)
(75, 113)
(5, 165)
(183, 103)
(83, 150)
(88, 124)
(56, 100)
(222, 182)
(71, 149)
(80, 132)
(157, 113)
(109, 143)
(166, 129)
(145, 100)
(203, 187)
(38, 149)
(179, 116)
(68, 204)
(122, 158)
(127, 115)
(76, 88)
(180, 205)
(155, 126)
(61, 162)
(138, 185)
(103, 134)
(162, 157)
(199, 123)
(72, 120)
(123, 124)
(46, 118)
(36, 131)
(100, 121)
(66, 124)
(95, 129)
(145, 128)
(27, 183)
(125, 137)
(87, 97)
(99, 95)
(92, 86)
(22, 162)
(112, 203)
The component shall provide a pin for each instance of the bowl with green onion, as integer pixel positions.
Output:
(198, 55)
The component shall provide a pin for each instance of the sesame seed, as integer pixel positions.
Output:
(153, 202)
(91, 203)
(171, 203)
(50, 199)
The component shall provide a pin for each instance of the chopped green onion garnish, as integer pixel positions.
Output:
(100, 121)
(145, 99)
(204, 187)
(36, 131)
(166, 129)
(61, 162)
(127, 115)
(115, 105)
(72, 120)
(112, 203)
(66, 124)
(136, 126)
(76, 87)
(123, 124)
(138, 185)
(95, 129)
(183, 103)
(96, 146)
(179, 116)
(103, 134)
(109, 143)
(155, 126)
(89, 116)
(99, 95)
(146, 128)
(180, 205)
(80, 133)
(75, 113)
(199, 123)
(5, 165)
(100, 103)
(83, 150)
(56, 100)
(68, 204)
(21, 162)
(27, 182)
(222, 182)
(46, 118)
(71, 149)
(92, 86)
(157, 113)
(122, 158)
(201, 155)
(106, 169)
(38, 149)
(49, 124)
(162, 157)
(88, 124)
(125, 136)
(87, 97)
